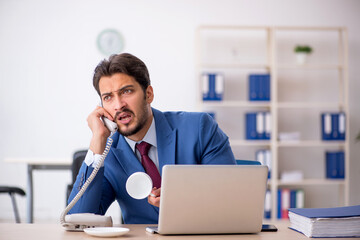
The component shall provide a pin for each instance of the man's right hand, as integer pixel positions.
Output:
(99, 132)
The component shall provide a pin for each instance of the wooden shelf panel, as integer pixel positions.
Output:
(236, 104)
(311, 143)
(249, 143)
(308, 28)
(311, 182)
(326, 105)
(310, 67)
(233, 27)
(279, 105)
(235, 66)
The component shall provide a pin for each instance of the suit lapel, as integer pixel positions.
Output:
(126, 157)
(166, 146)
(166, 140)
(128, 161)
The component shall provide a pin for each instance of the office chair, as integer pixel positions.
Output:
(12, 191)
(247, 162)
(250, 162)
(78, 159)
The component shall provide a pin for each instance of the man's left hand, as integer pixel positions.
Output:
(154, 197)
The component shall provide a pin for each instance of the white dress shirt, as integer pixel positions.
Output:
(92, 159)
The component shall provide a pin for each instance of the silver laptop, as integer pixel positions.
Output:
(212, 199)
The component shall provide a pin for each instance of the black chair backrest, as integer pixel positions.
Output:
(12, 189)
(78, 159)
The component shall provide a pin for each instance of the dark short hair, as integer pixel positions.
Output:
(122, 63)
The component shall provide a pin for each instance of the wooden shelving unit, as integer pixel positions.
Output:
(237, 51)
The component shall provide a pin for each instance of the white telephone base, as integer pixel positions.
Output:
(79, 221)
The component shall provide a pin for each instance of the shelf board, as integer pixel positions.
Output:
(307, 28)
(229, 103)
(310, 66)
(310, 143)
(235, 104)
(308, 105)
(306, 143)
(312, 182)
(233, 27)
(248, 143)
(235, 66)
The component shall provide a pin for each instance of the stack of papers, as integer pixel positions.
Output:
(326, 222)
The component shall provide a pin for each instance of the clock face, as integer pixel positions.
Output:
(110, 42)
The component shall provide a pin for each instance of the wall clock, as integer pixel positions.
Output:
(110, 42)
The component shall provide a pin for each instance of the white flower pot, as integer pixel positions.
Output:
(301, 58)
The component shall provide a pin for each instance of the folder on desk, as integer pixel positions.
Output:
(326, 222)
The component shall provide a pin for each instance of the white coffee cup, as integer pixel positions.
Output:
(139, 185)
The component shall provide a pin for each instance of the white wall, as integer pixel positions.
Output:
(48, 53)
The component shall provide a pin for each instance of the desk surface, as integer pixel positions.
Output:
(55, 231)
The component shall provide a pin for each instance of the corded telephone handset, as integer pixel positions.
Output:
(110, 125)
(80, 221)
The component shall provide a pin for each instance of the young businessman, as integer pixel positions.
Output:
(123, 84)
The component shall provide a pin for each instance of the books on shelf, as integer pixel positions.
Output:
(267, 205)
(258, 125)
(333, 126)
(212, 86)
(289, 198)
(259, 87)
(264, 157)
(335, 164)
(326, 222)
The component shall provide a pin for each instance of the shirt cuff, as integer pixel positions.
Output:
(92, 159)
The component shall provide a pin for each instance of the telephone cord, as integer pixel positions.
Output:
(86, 184)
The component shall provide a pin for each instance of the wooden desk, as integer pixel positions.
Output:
(55, 231)
(38, 164)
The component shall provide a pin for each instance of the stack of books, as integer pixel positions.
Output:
(326, 222)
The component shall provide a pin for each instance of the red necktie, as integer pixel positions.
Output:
(148, 164)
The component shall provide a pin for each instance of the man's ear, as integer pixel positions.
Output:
(149, 94)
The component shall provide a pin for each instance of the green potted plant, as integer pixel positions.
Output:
(302, 51)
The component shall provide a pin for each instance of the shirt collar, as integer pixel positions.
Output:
(150, 137)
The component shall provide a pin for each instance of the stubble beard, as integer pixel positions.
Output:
(142, 118)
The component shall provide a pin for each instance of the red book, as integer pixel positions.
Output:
(285, 203)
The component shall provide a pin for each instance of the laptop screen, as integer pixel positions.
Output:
(201, 199)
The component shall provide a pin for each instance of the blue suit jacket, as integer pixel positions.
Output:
(182, 138)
